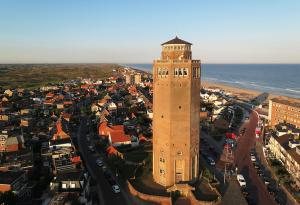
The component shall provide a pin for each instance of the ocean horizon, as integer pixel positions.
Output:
(280, 79)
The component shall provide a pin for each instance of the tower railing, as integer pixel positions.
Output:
(177, 61)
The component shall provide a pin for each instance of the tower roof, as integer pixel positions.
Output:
(176, 40)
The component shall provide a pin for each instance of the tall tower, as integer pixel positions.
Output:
(176, 107)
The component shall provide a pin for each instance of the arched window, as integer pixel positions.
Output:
(176, 72)
(163, 71)
(185, 72)
(159, 71)
(194, 72)
(180, 72)
(167, 72)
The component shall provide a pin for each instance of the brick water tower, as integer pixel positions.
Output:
(176, 107)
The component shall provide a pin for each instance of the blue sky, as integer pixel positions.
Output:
(131, 31)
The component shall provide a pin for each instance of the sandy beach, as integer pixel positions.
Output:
(243, 94)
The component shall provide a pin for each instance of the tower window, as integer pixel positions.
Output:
(176, 72)
(162, 160)
(167, 72)
(180, 72)
(194, 72)
(198, 72)
(185, 72)
(159, 71)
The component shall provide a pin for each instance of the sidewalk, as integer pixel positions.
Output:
(259, 150)
(231, 192)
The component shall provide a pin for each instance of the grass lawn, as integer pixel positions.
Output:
(136, 156)
(147, 185)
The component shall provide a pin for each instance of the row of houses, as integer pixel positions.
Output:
(284, 144)
(35, 141)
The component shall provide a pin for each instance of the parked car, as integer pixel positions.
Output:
(260, 172)
(253, 158)
(272, 189)
(211, 161)
(241, 180)
(245, 191)
(256, 165)
(99, 162)
(267, 180)
(116, 189)
(104, 167)
(91, 148)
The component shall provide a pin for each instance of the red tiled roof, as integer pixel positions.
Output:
(111, 150)
(59, 97)
(49, 102)
(76, 159)
(111, 88)
(85, 86)
(142, 138)
(119, 136)
(66, 116)
(49, 95)
(68, 102)
(118, 127)
(105, 130)
(60, 133)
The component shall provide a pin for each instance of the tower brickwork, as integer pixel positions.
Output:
(176, 107)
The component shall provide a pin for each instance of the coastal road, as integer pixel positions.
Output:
(257, 188)
(105, 193)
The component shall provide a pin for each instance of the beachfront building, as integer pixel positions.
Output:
(129, 79)
(176, 114)
(285, 146)
(283, 109)
(137, 78)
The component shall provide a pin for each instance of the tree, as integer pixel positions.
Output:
(8, 198)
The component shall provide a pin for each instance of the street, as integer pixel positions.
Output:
(257, 188)
(105, 193)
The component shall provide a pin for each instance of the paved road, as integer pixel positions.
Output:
(231, 192)
(256, 186)
(105, 193)
(259, 149)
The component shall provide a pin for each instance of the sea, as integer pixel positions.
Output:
(280, 79)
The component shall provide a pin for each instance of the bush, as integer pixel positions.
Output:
(175, 195)
(8, 198)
